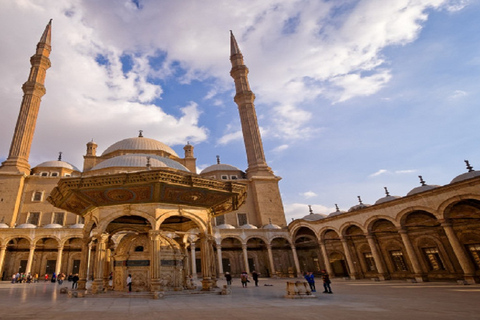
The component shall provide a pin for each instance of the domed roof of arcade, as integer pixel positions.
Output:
(224, 226)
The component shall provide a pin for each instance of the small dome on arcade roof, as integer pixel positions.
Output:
(424, 187)
(225, 226)
(26, 226)
(359, 206)
(336, 212)
(77, 226)
(313, 216)
(271, 226)
(248, 226)
(387, 197)
(467, 175)
(52, 226)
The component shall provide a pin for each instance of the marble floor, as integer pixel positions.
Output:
(360, 299)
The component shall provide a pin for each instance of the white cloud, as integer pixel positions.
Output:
(281, 148)
(384, 171)
(405, 171)
(379, 172)
(456, 5)
(300, 210)
(225, 139)
(308, 194)
(458, 94)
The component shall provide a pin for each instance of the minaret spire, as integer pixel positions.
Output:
(244, 98)
(33, 90)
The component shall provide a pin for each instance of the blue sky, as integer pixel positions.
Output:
(352, 96)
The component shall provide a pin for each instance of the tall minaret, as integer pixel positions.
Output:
(33, 90)
(244, 99)
(263, 191)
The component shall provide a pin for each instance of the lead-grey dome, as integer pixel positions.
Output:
(26, 226)
(53, 226)
(424, 187)
(220, 167)
(139, 143)
(225, 226)
(467, 175)
(314, 217)
(140, 160)
(57, 164)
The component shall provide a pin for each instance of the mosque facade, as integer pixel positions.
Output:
(139, 208)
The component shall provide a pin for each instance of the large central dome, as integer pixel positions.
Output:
(139, 144)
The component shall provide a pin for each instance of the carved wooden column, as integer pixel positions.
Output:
(348, 256)
(28, 269)
(270, 259)
(3, 248)
(206, 254)
(382, 274)
(58, 266)
(245, 258)
(419, 276)
(468, 269)
(155, 264)
(328, 266)
(295, 260)
(97, 284)
(82, 282)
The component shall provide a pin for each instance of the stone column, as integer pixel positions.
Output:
(97, 284)
(328, 266)
(30, 259)
(245, 258)
(382, 275)
(219, 256)
(194, 260)
(3, 248)
(155, 282)
(295, 260)
(348, 256)
(89, 260)
(272, 263)
(83, 272)
(418, 274)
(58, 266)
(468, 269)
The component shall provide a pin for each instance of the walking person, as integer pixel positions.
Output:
(255, 277)
(75, 279)
(129, 283)
(228, 277)
(326, 282)
(311, 280)
(244, 279)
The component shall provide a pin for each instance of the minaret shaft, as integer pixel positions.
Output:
(33, 90)
(245, 98)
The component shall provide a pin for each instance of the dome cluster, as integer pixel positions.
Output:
(422, 188)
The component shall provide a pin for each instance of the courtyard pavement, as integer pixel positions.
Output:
(359, 299)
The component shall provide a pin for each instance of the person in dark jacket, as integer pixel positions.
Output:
(326, 282)
(228, 277)
(311, 280)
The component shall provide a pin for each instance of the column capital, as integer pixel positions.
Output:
(32, 247)
(103, 237)
(269, 246)
(3, 247)
(402, 230)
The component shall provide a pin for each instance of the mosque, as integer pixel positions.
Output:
(139, 208)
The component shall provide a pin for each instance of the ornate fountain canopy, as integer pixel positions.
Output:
(79, 195)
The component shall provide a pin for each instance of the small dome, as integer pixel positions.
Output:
(336, 212)
(57, 164)
(4, 226)
(139, 143)
(271, 226)
(314, 217)
(139, 160)
(26, 226)
(424, 187)
(225, 226)
(53, 226)
(387, 197)
(219, 167)
(359, 206)
(248, 226)
(467, 175)
(77, 226)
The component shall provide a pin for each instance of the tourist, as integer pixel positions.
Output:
(46, 277)
(35, 279)
(129, 283)
(61, 277)
(244, 279)
(54, 278)
(75, 280)
(228, 277)
(14, 278)
(326, 282)
(70, 277)
(311, 280)
(255, 277)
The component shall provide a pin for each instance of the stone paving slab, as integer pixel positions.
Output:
(361, 299)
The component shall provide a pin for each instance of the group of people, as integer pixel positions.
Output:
(24, 278)
(311, 281)
(28, 278)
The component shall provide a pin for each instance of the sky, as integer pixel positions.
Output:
(351, 95)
